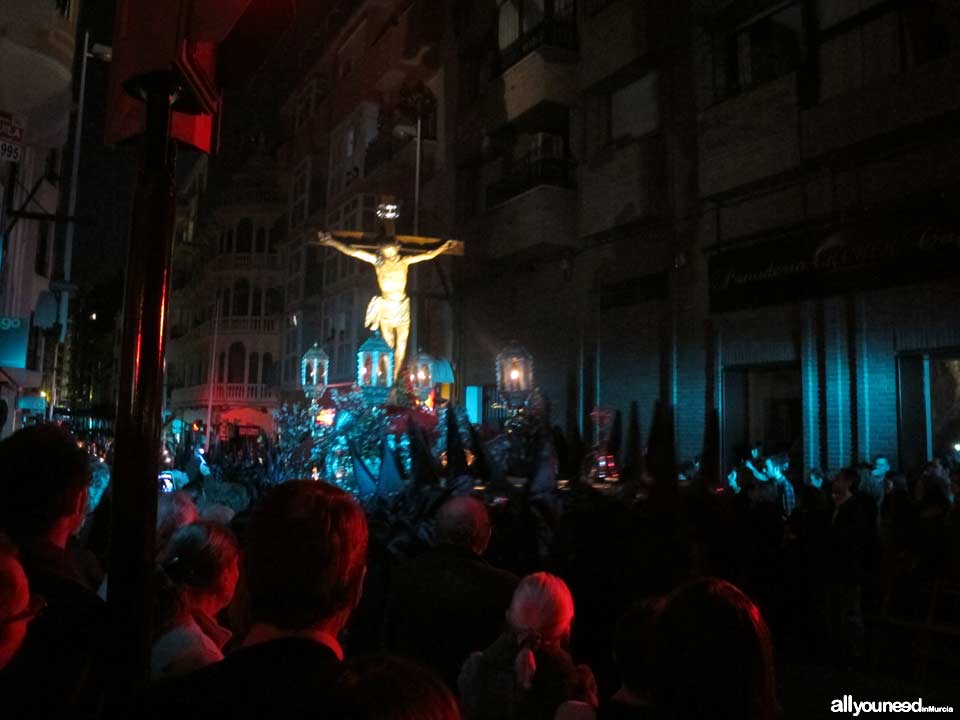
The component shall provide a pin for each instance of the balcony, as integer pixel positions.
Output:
(37, 42)
(548, 34)
(387, 149)
(228, 393)
(532, 210)
(555, 172)
(536, 91)
(228, 262)
(245, 325)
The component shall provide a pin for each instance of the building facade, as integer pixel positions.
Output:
(226, 299)
(740, 209)
(37, 44)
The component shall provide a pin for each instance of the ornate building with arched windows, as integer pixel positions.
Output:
(227, 299)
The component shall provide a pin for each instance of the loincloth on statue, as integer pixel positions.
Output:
(389, 313)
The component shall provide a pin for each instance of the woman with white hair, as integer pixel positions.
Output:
(528, 672)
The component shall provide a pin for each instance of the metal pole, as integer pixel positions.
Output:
(72, 198)
(414, 343)
(53, 381)
(134, 511)
(212, 375)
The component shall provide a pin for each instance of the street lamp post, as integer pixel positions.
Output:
(98, 52)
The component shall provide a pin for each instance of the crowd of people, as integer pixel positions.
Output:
(580, 604)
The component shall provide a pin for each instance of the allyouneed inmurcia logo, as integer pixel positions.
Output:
(848, 705)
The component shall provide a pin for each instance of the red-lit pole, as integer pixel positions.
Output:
(140, 403)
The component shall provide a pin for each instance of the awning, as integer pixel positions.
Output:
(442, 371)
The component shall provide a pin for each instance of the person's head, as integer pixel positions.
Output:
(174, 510)
(843, 485)
(815, 478)
(714, 656)
(306, 557)
(43, 485)
(880, 467)
(390, 250)
(633, 644)
(465, 523)
(540, 614)
(16, 609)
(202, 562)
(391, 688)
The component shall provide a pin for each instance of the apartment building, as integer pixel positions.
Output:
(733, 207)
(349, 144)
(37, 45)
(828, 156)
(224, 345)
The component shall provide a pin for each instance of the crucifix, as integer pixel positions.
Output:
(389, 312)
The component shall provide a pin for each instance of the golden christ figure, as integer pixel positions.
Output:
(389, 312)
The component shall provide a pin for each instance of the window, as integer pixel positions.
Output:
(862, 42)
(299, 193)
(928, 388)
(508, 25)
(245, 235)
(277, 234)
(253, 369)
(42, 260)
(274, 301)
(241, 297)
(763, 49)
(635, 108)
(256, 306)
(268, 371)
(235, 362)
(261, 240)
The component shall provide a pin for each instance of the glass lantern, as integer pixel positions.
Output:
(375, 368)
(420, 373)
(514, 375)
(314, 371)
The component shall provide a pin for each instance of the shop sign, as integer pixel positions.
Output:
(886, 252)
(14, 334)
(11, 137)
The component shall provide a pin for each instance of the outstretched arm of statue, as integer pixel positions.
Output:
(328, 240)
(423, 257)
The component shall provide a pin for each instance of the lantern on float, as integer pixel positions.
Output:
(420, 373)
(375, 368)
(314, 372)
(514, 375)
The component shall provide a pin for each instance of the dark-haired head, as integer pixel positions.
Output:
(43, 486)
(465, 523)
(390, 688)
(714, 657)
(305, 556)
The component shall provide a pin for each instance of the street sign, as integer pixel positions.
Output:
(11, 137)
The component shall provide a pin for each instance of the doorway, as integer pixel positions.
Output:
(762, 403)
(928, 404)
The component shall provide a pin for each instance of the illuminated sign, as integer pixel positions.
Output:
(14, 333)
